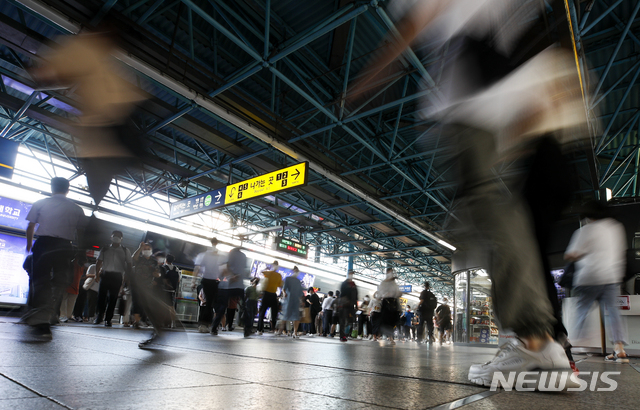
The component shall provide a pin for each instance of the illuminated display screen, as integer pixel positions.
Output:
(288, 246)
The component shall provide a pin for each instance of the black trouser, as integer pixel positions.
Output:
(346, 316)
(81, 301)
(426, 317)
(363, 320)
(376, 322)
(251, 308)
(327, 318)
(92, 303)
(222, 302)
(269, 300)
(314, 313)
(110, 284)
(390, 316)
(50, 275)
(210, 289)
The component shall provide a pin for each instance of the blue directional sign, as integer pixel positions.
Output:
(197, 204)
(8, 154)
(405, 288)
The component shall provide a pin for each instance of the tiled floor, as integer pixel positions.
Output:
(93, 367)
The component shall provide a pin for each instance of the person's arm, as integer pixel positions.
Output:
(136, 255)
(408, 28)
(31, 229)
(196, 273)
(98, 269)
(575, 251)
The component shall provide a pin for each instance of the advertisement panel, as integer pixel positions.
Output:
(13, 213)
(14, 281)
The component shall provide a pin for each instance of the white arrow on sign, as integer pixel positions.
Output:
(218, 196)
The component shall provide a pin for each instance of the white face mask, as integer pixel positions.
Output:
(160, 260)
(116, 239)
(146, 253)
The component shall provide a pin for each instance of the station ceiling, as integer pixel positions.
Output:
(241, 88)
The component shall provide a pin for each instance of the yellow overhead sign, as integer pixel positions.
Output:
(276, 181)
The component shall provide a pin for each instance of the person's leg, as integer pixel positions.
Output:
(101, 302)
(40, 291)
(231, 313)
(222, 301)
(429, 320)
(503, 226)
(92, 303)
(586, 295)
(312, 325)
(249, 315)
(263, 311)
(273, 305)
(78, 308)
(115, 282)
(617, 332)
(62, 314)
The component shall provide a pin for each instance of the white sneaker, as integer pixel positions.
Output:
(259, 333)
(515, 357)
(359, 337)
(203, 329)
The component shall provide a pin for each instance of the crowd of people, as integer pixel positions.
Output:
(131, 282)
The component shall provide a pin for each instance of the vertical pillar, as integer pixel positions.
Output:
(350, 261)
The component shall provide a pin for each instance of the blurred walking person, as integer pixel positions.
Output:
(389, 292)
(59, 221)
(327, 313)
(347, 305)
(293, 295)
(208, 268)
(499, 91)
(273, 280)
(428, 304)
(599, 250)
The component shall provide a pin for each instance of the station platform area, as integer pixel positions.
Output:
(93, 367)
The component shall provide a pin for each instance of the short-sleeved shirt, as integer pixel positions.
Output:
(56, 216)
(209, 263)
(408, 317)
(327, 303)
(237, 265)
(375, 306)
(273, 281)
(115, 258)
(603, 246)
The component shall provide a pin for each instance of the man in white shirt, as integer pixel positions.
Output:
(59, 221)
(208, 268)
(327, 313)
(599, 251)
(110, 268)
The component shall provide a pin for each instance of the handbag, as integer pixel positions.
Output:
(566, 280)
(87, 283)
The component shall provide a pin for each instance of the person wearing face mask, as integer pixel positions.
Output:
(171, 277)
(363, 317)
(389, 292)
(113, 262)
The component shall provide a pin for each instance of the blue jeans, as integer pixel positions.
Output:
(327, 317)
(605, 295)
